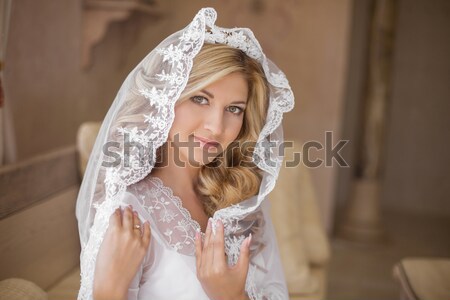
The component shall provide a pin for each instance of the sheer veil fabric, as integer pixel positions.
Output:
(154, 87)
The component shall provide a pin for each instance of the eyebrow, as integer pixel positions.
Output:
(212, 97)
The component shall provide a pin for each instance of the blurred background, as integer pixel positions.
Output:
(374, 74)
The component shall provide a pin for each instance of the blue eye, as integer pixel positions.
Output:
(235, 110)
(199, 100)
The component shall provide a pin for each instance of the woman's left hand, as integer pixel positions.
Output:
(220, 281)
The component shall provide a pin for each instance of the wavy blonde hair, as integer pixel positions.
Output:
(231, 177)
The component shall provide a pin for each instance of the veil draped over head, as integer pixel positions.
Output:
(125, 149)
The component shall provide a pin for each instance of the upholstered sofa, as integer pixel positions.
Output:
(39, 240)
(39, 249)
(423, 278)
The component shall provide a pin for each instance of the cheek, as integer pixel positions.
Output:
(233, 129)
(183, 120)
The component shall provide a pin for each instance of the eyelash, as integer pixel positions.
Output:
(200, 99)
(195, 99)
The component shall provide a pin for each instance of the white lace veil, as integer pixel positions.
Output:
(154, 86)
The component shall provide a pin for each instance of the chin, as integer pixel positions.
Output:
(202, 158)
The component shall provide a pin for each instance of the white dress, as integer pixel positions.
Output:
(169, 269)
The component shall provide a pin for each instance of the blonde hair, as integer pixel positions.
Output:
(231, 177)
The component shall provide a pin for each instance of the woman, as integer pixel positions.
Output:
(200, 118)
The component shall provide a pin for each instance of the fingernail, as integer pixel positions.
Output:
(213, 227)
(249, 240)
(135, 213)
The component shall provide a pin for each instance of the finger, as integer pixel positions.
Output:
(136, 221)
(244, 257)
(198, 250)
(207, 234)
(146, 234)
(127, 220)
(208, 249)
(219, 245)
(116, 218)
(209, 257)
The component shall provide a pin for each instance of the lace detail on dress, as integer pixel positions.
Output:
(173, 220)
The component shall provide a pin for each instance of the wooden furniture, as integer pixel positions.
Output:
(302, 240)
(38, 230)
(423, 278)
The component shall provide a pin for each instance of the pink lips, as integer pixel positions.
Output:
(206, 142)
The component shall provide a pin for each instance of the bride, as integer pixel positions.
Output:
(173, 203)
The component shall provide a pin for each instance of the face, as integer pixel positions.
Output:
(207, 122)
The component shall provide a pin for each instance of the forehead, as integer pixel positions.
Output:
(231, 87)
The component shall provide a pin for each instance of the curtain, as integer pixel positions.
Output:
(7, 144)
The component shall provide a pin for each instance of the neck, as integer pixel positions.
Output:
(175, 172)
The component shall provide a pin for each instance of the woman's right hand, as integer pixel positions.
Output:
(120, 255)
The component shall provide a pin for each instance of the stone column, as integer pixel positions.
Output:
(362, 219)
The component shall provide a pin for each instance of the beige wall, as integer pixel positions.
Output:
(50, 95)
(417, 176)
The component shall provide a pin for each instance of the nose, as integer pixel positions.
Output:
(214, 122)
